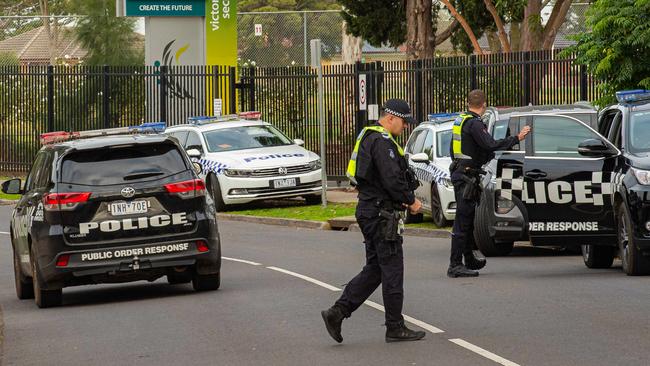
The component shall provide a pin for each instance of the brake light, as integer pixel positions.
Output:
(186, 188)
(64, 201)
(202, 246)
(63, 260)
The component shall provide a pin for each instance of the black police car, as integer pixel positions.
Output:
(117, 208)
(627, 126)
(554, 188)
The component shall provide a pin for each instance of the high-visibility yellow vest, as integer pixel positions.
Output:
(457, 132)
(352, 165)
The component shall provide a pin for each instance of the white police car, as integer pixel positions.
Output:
(433, 138)
(245, 159)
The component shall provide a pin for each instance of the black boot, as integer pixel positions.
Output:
(459, 270)
(400, 333)
(333, 318)
(473, 262)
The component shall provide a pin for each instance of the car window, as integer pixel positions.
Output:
(411, 143)
(121, 165)
(244, 137)
(43, 179)
(181, 136)
(615, 130)
(500, 129)
(419, 142)
(35, 172)
(587, 118)
(639, 132)
(557, 136)
(427, 148)
(193, 142)
(443, 143)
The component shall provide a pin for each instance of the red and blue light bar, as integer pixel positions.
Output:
(61, 136)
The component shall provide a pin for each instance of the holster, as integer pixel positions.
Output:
(392, 227)
(472, 187)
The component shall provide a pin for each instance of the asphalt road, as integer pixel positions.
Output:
(537, 307)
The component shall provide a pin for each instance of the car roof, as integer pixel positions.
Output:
(576, 108)
(219, 125)
(437, 125)
(110, 140)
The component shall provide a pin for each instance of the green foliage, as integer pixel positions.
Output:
(617, 48)
(377, 21)
(108, 39)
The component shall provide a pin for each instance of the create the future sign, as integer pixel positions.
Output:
(165, 8)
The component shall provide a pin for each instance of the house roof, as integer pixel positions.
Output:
(34, 45)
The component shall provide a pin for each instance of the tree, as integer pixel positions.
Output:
(615, 50)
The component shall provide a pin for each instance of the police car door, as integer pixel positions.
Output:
(565, 194)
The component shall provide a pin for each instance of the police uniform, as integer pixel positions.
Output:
(472, 146)
(378, 168)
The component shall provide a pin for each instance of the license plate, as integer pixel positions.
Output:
(128, 208)
(284, 183)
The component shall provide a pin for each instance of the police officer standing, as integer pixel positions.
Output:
(472, 146)
(385, 184)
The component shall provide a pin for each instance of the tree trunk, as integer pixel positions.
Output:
(503, 37)
(420, 39)
(441, 37)
(466, 27)
(558, 17)
(50, 29)
(351, 48)
(515, 36)
(532, 30)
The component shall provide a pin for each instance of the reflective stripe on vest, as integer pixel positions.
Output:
(456, 131)
(352, 165)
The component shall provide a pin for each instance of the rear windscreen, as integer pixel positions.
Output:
(122, 165)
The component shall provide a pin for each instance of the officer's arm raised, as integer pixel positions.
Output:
(486, 141)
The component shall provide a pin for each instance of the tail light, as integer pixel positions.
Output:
(202, 246)
(64, 201)
(187, 189)
(63, 260)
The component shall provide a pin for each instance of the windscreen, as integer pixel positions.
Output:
(109, 166)
(639, 132)
(244, 137)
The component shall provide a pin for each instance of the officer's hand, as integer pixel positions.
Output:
(524, 131)
(415, 207)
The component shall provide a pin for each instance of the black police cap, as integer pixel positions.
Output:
(399, 108)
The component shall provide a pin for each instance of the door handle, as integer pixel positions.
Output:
(535, 174)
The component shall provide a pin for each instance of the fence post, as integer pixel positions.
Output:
(473, 73)
(359, 121)
(106, 108)
(380, 83)
(419, 92)
(232, 90)
(50, 98)
(251, 88)
(526, 79)
(583, 83)
(163, 93)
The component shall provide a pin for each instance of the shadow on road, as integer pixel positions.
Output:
(83, 296)
(531, 251)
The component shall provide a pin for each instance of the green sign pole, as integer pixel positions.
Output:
(221, 32)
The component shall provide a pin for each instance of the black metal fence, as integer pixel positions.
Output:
(36, 99)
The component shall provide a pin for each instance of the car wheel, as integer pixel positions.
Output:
(43, 298)
(598, 256)
(484, 242)
(436, 208)
(24, 286)
(313, 199)
(176, 278)
(215, 192)
(206, 282)
(634, 263)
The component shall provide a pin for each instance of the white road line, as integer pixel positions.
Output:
(487, 354)
(373, 304)
(241, 261)
(4, 232)
(308, 279)
(423, 325)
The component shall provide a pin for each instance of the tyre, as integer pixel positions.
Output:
(634, 263)
(484, 242)
(598, 256)
(437, 212)
(43, 298)
(24, 286)
(313, 200)
(215, 193)
(176, 278)
(207, 282)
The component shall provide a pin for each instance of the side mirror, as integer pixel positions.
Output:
(198, 168)
(299, 142)
(12, 186)
(420, 158)
(193, 153)
(595, 147)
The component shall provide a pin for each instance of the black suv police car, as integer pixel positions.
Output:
(117, 208)
(551, 189)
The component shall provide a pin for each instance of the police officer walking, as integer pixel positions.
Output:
(385, 184)
(472, 146)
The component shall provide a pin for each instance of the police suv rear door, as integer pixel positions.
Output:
(566, 194)
(126, 193)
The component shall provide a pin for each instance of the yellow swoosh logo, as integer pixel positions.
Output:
(181, 50)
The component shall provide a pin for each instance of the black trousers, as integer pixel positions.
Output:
(462, 234)
(384, 265)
